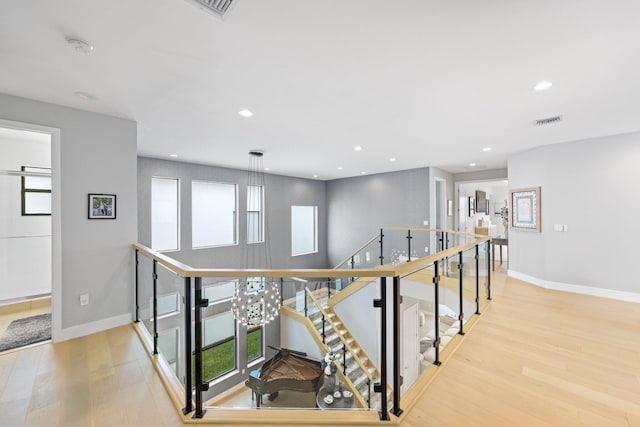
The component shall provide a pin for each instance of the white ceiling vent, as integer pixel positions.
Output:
(547, 121)
(219, 8)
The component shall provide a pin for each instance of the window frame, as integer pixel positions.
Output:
(24, 190)
(235, 215)
(178, 216)
(315, 230)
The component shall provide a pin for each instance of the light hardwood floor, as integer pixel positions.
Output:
(535, 358)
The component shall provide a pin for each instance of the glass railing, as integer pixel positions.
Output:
(385, 326)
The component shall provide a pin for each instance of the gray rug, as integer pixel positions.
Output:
(26, 331)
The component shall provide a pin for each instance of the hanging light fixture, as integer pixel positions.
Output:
(256, 300)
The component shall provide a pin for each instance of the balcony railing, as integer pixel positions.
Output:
(389, 299)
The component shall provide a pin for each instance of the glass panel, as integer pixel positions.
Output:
(469, 282)
(218, 291)
(213, 214)
(37, 182)
(171, 320)
(304, 229)
(164, 214)
(37, 203)
(145, 291)
(255, 205)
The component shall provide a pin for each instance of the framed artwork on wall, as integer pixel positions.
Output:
(472, 206)
(525, 209)
(102, 206)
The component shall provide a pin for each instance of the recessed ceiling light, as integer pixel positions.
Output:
(173, 155)
(245, 113)
(472, 165)
(392, 159)
(86, 96)
(543, 85)
(80, 46)
(315, 176)
(363, 173)
(267, 169)
(357, 148)
(339, 168)
(485, 149)
(506, 181)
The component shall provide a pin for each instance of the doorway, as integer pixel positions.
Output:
(26, 237)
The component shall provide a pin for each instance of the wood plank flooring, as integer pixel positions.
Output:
(535, 358)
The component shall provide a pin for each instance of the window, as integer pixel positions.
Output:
(168, 305)
(255, 207)
(213, 214)
(255, 347)
(165, 208)
(36, 192)
(219, 343)
(304, 229)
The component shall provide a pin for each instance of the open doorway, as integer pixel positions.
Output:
(26, 260)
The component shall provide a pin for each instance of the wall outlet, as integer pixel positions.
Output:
(426, 222)
(84, 299)
(426, 249)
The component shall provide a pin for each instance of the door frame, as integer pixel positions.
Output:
(56, 219)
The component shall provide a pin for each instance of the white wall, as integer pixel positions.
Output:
(590, 186)
(25, 241)
(95, 154)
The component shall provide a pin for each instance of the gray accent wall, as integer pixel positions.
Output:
(358, 207)
(97, 155)
(591, 187)
(280, 194)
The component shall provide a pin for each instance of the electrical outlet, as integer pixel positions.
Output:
(425, 222)
(84, 299)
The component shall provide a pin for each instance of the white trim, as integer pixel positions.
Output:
(577, 289)
(96, 326)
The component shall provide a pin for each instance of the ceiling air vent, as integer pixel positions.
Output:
(220, 8)
(547, 121)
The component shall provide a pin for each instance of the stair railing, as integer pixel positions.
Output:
(345, 344)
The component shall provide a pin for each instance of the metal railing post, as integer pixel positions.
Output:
(188, 386)
(323, 331)
(155, 307)
(477, 279)
(409, 244)
(489, 269)
(461, 290)
(397, 378)
(381, 247)
(281, 291)
(137, 284)
(436, 299)
(381, 387)
(201, 386)
(344, 359)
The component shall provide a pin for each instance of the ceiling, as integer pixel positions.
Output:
(429, 83)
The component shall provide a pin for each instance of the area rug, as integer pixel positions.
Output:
(26, 331)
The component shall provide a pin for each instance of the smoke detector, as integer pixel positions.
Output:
(219, 8)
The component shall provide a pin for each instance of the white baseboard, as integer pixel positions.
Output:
(93, 327)
(577, 289)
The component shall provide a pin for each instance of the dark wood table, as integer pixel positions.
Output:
(500, 242)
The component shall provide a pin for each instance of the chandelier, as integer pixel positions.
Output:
(256, 300)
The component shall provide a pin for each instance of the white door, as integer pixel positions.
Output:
(410, 347)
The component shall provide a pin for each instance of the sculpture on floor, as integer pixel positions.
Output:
(504, 212)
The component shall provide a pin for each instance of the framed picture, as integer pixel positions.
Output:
(472, 206)
(449, 207)
(525, 209)
(102, 206)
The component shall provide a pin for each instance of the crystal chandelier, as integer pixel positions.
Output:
(256, 300)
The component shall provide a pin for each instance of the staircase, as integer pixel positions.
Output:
(356, 365)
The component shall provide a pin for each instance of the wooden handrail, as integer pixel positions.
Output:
(379, 271)
(371, 240)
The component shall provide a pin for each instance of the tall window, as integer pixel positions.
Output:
(213, 214)
(219, 343)
(165, 207)
(304, 229)
(255, 208)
